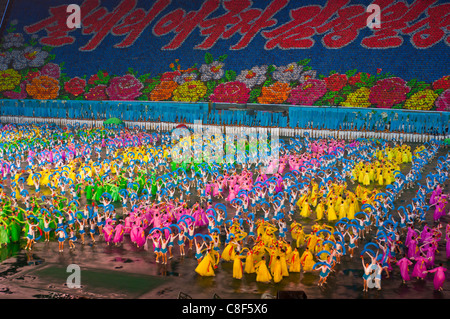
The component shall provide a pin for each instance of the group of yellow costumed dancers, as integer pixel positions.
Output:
(330, 204)
(273, 258)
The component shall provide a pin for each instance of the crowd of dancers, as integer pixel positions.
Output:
(77, 184)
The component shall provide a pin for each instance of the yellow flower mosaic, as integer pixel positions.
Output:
(9, 79)
(359, 98)
(191, 91)
(423, 100)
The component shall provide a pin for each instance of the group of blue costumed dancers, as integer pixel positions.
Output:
(77, 184)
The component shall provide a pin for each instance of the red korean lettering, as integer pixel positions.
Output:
(437, 21)
(298, 32)
(293, 34)
(100, 23)
(183, 24)
(244, 24)
(135, 23)
(216, 27)
(169, 22)
(345, 28)
(56, 24)
(394, 18)
(265, 20)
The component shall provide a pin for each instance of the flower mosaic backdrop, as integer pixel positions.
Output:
(29, 70)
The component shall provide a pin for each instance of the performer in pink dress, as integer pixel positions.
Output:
(404, 264)
(439, 277)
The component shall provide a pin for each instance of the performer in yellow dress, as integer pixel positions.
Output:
(206, 265)
(277, 271)
(387, 176)
(301, 200)
(29, 180)
(229, 252)
(408, 153)
(311, 241)
(316, 227)
(342, 210)
(272, 250)
(238, 268)
(337, 202)
(307, 261)
(269, 235)
(258, 251)
(366, 178)
(295, 227)
(288, 250)
(354, 174)
(320, 210)
(361, 176)
(351, 209)
(379, 175)
(390, 154)
(331, 213)
(399, 155)
(260, 227)
(284, 268)
(262, 272)
(314, 196)
(249, 263)
(371, 172)
(301, 236)
(306, 210)
(294, 261)
(379, 154)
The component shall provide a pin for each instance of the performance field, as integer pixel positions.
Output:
(224, 150)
